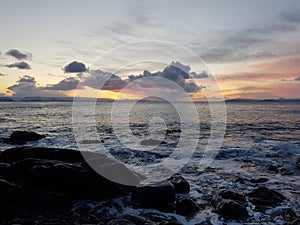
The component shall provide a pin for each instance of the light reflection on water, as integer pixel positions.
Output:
(247, 123)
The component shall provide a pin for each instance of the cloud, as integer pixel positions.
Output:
(75, 67)
(176, 72)
(26, 86)
(19, 55)
(297, 78)
(104, 81)
(20, 65)
(291, 17)
(239, 77)
(70, 83)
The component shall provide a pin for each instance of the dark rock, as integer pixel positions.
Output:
(233, 196)
(11, 198)
(274, 168)
(120, 222)
(10, 194)
(137, 220)
(265, 197)
(41, 199)
(152, 142)
(155, 196)
(50, 178)
(22, 137)
(66, 155)
(289, 215)
(258, 180)
(5, 171)
(186, 206)
(231, 209)
(180, 184)
(298, 163)
(171, 223)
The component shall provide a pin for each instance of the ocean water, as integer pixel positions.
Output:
(258, 134)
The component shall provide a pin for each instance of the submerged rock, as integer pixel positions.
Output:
(157, 196)
(231, 209)
(152, 142)
(22, 137)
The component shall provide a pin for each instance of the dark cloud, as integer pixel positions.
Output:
(75, 67)
(26, 86)
(104, 81)
(291, 17)
(20, 65)
(297, 78)
(177, 73)
(67, 84)
(19, 55)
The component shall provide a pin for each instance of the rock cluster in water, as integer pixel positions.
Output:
(37, 183)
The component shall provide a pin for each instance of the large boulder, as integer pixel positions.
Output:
(52, 177)
(11, 198)
(157, 196)
(22, 137)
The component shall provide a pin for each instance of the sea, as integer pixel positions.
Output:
(256, 135)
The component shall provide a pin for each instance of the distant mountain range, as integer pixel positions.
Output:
(263, 100)
(70, 99)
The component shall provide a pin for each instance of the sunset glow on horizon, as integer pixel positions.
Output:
(251, 48)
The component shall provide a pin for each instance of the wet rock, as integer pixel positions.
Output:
(289, 215)
(10, 194)
(22, 137)
(186, 206)
(231, 209)
(263, 196)
(137, 220)
(171, 223)
(120, 222)
(156, 196)
(65, 155)
(53, 178)
(11, 198)
(180, 184)
(233, 196)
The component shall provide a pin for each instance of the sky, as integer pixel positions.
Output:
(52, 48)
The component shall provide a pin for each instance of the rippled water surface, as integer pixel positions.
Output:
(258, 134)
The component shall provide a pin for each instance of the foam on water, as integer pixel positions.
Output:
(258, 135)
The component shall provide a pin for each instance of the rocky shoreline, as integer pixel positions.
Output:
(57, 186)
